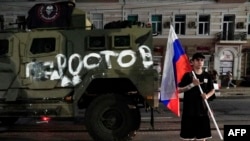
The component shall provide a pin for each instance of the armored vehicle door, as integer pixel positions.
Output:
(39, 59)
(9, 61)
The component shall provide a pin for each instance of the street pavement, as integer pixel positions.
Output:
(166, 125)
(234, 92)
(169, 124)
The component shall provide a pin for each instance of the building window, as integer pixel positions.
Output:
(180, 24)
(133, 18)
(156, 24)
(204, 24)
(248, 32)
(228, 27)
(97, 20)
(21, 22)
(1, 22)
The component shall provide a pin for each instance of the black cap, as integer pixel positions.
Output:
(198, 56)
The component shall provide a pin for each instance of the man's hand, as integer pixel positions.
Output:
(204, 96)
(196, 82)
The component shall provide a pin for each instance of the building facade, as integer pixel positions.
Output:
(220, 29)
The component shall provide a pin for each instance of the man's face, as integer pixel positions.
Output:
(198, 63)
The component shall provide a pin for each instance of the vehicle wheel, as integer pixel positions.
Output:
(136, 119)
(136, 122)
(8, 120)
(109, 118)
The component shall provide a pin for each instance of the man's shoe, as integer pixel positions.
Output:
(227, 87)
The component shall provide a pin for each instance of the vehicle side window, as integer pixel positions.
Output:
(96, 42)
(4, 47)
(43, 45)
(121, 41)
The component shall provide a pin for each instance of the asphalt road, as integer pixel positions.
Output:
(167, 125)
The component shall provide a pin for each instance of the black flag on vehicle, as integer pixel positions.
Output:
(50, 15)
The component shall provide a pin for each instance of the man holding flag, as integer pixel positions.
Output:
(195, 123)
(177, 77)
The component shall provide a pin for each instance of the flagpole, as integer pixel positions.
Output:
(211, 114)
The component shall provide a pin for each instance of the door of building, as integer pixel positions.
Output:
(226, 62)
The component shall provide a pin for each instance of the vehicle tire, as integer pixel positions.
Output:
(136, 119)
(8, 120)
(109, 118)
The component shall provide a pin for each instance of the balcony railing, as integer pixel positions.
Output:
(236, 37)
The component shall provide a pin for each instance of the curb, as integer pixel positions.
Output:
(234, 95)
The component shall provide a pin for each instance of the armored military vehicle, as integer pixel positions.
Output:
(60, 67)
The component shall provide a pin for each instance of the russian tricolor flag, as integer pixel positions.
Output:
(176, 64)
